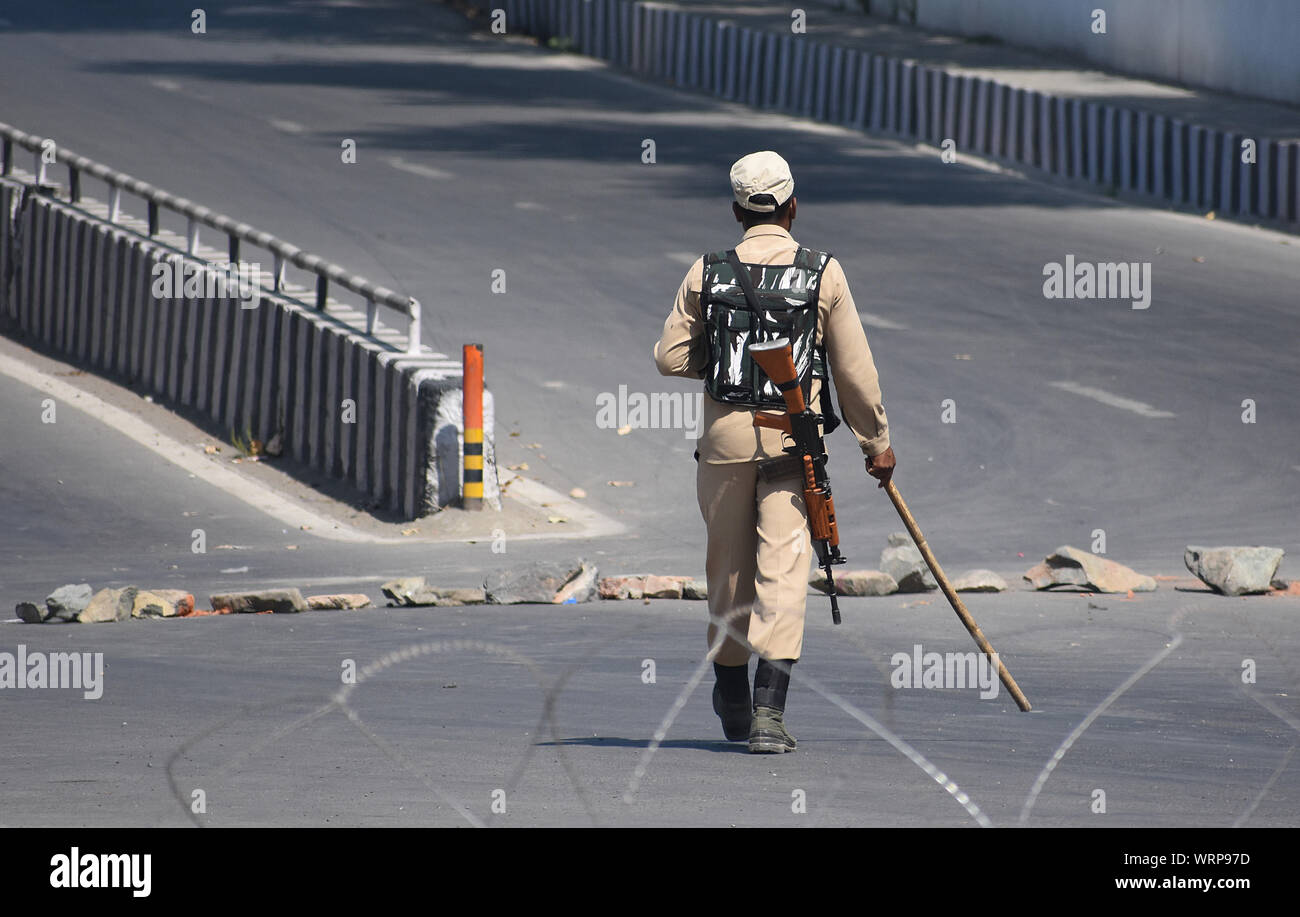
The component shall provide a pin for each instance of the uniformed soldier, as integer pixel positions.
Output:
(758, 554)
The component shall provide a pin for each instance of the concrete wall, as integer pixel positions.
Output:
(1123, 149)
(82, 288)
(1251, 47)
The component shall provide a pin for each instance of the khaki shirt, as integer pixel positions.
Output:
(729, 434)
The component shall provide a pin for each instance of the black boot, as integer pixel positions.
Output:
(731, 700)
(768, 735)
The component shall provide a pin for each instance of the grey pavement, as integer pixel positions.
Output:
(227, 704)
(476, 155)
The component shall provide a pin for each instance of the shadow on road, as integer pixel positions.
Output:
(616, 742)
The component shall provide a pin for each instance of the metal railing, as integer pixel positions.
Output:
(282, 252)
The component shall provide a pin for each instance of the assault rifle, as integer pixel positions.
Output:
(800, 424)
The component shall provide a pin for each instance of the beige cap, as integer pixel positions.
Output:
(761, 181)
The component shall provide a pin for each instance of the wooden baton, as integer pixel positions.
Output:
(980, 640)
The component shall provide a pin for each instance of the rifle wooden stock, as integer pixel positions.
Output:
(776, 359)
(778, 363)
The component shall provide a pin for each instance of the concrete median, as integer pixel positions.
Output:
(1120, 149)
(266, 368)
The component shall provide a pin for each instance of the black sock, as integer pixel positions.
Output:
(771, 681)
(733, 681)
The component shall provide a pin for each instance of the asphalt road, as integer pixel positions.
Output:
(477, 155)
(560, 717)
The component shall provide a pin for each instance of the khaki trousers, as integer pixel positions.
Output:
(757, 560)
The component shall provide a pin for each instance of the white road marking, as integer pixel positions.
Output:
(416, 169)
(871, 320)
(529, 205)
(588, 523)
(169, 85)
(686, 258)
(868, 152)
(341, 580)
(186, 457)
(289, 127)
(1116, 401)
(554, 384)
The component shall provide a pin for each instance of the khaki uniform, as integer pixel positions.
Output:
(758, 556)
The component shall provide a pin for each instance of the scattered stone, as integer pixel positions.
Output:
(280, 601)
(856, 583)
(461, 596)
(109, 605)
(181, 601)
(415, 591)
(979, 581)
(622, 587)
(1067, 566)
(28, 613)
(408, 590)
(653, 587)
(163, 603)
(337, 600)
(665, 587)
(1043, 576)
(903, 561)
(580, 589)
(203, 612)
(1234, 570)
(538, 583)
(67, 602)
(578, 493)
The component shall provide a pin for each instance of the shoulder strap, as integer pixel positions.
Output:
(827, 405)
(813, 260)
(743, 278)
(829, 418)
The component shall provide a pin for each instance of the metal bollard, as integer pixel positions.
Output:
(472, 388)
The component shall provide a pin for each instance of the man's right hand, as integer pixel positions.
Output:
(881, 466)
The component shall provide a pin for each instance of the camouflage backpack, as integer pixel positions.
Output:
(784, 304)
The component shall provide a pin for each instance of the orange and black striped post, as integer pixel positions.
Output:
(472, 491)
